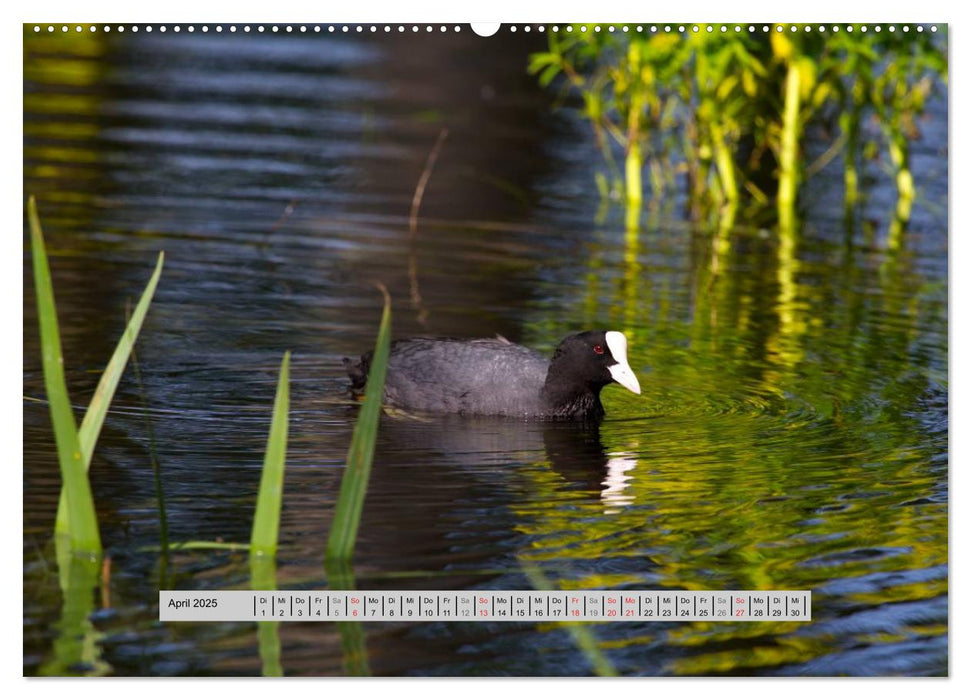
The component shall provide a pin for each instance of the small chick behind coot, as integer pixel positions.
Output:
(493, 377)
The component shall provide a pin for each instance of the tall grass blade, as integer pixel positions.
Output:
(94, 418)
(266, 522)
(350, 501)
(81, 523)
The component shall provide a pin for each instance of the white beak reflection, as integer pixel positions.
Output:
(616, 482)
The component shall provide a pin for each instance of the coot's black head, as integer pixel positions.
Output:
(582, 365)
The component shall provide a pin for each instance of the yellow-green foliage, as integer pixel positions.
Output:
(695, 97)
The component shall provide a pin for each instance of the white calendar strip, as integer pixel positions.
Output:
(469, 606)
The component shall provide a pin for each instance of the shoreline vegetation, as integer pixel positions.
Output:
(728, 110)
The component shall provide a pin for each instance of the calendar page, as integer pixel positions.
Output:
(532, 349)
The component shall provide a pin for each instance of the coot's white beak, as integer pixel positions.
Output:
(621, 372)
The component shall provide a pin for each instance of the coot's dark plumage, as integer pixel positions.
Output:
(495, 377)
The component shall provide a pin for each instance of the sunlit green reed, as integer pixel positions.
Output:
(266, 522)
(76, 517)
(729, 110)
(347, 517)
(264, 535)
(83, 523)
(350, 500)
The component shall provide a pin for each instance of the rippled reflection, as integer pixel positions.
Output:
(614, 494)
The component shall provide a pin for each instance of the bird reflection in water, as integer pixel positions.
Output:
(577, 454)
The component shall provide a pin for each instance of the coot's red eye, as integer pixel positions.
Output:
(599, 349)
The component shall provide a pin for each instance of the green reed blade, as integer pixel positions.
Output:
(350, 501)
(82, 523)
(266, 522)
(98, 408)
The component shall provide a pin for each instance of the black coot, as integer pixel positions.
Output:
(493, 377)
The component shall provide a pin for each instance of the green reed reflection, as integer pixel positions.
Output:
(777, 448)
(340, 577)
(77, 649)
(263, 578)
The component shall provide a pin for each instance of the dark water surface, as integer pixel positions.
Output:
(792, 432)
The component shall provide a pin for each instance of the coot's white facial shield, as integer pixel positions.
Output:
(621, 372)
